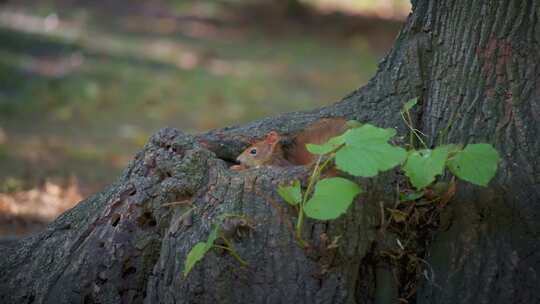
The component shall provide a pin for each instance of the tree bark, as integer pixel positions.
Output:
(475, 66)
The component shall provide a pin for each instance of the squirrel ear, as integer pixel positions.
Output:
(272, 137)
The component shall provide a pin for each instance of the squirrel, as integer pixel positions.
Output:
(274, 150)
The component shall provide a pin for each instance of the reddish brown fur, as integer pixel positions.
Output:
(317, 133)
(269, 151)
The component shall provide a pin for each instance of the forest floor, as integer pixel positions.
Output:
(83, 86)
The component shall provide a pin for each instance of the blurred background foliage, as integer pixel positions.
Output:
(83, 84)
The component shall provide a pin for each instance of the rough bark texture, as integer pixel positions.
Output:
(475, 66)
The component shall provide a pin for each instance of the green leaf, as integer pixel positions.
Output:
(195, 254)
(477, 164)
(410, 104)
(405, 197)
(423, 165)
(332, 144)
(212, 237)
(353, 123)
(331, 198)
(367, 151)
(199, 250)
(291, 194)
(453, 149)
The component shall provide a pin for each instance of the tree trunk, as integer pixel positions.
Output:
(475, 66)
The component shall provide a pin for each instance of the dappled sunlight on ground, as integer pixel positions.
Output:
(23, 212)
(389, 9)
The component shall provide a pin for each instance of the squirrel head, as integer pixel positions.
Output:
(261, 152)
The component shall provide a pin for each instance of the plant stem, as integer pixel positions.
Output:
(326, 162)
(443, 134)
(314, 178)
(413, 131)
(411, 137)
(231, 250)
(300, 222)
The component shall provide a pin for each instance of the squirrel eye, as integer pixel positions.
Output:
(253, 151)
